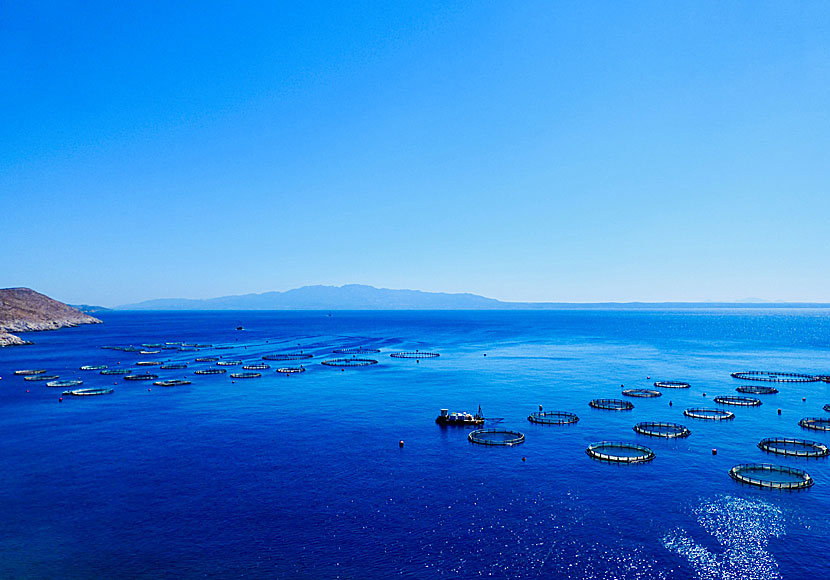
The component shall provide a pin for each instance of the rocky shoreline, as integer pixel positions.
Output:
(24, 310)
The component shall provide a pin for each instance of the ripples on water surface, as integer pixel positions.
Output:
(302, 476)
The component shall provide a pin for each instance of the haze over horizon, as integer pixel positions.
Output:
(527, 152)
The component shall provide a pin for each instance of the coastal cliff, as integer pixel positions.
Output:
(24, 310)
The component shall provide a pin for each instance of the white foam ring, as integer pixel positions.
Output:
(743, 528)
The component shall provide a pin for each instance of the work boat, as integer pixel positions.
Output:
(447, 418)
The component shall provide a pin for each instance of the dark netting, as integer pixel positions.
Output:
(667, 430)
(94, 367)
(358, 350)
(207, 359)
(773, 377)
(245, 375)
(148, 363)
(172, 383)
(67, 383)
(41, 378)
(757, 390)
(619, 452)
(88, 392)
(496, 437)
(171, 366)
(737, 400)
(815, 423)
(256, 367)
(141, 377)
(210, 372)
(229, 363)
(289, 356)
(349, 362)
(416, 354)
(291, 370)
(28, 372)
(771, 476)
(116, 371)
(671, 385)
(612, 404)
(709, 414)
(553, 418)
(642, 393)
(793, 447)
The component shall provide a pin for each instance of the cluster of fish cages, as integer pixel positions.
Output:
(672, 385)
(553, 418)
(666, 430)
(245, 375)
(815, 423)
(737, 401)
(771, 476)
(287, 356)
(642, 393)
(619, 452)
(773, 377)
(416, 355)
(709, 414)
(756, 390)
(501, 437)
(793, 447)
(357, 350)
(172, 383)
(611, 404)
(349, 362)
(291, 370)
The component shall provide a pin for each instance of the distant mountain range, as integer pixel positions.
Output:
(361, 297)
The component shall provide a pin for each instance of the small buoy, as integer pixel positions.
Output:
(779, 411)
(27, 390)
(803, 398)
(540, 407)
(649, 378)
(341, 370)
(714, 451)
(148, 390)
(485, 354)
(704, 394)
(400, 443)
(60, 400)
(417, 361)
(669, 403)
(524, 458)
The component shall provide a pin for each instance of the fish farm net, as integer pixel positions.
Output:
(815, 423)
(709, 414)
(358, 350)
(553, 418)
(415, 354)
(619, 452)
(496, 437)
(256, 367)
(771, 476)
(88, 392)
(245, 375)
(612, 404)
(143, 377)
(738, 401)
(69, 383)
(210, 372)
(171, 383)
(349, 362)
(41, 378)
(672, 385)
(94, 367)
(756, 390)
(116, 371)
(290, 370)
(289, 356)
(793, 447)
(657, 429)
(207, 359)
(773, 377)
(229, 363)
(642, 393)
(171, 366)
(29, 372)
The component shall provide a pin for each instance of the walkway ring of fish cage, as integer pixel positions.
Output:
(619, 452)
(173, 366)
(773, 377)
(709, 414)
(611, 404)
(88, 392)
(761, 475)
(149, 352)
(229, 363)
(256, 367)
(642, 393)
(171, 383)
(245, 375)
(148, 363)
(553, 418)
(289, 356)
(496, 437)
(210, 372)
(737, 401)
(666, 430)
(415, 354)
(207, 359)
(116, 371)
(142, 377)
(94, 368)
(671, 385)
(41, 378)
(290, 370)
(29, 372)
(756, 390)
(349, 362)
(793, 447)
(358, 350)
(65, 383)
(815, 423)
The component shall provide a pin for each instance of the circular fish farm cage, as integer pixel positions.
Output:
(88, 392)
(415, 354)
(207, 359)
(148, 363)
(30, 372)
(667, 430)
(642, 393)
(256, 367)
(671, 385)
(793, 447)
(737, 401)
(290, 370)
(171, 366)
(41, 378)
(756, 390)
(619, 452)
(141, 377)
(152, 345)
(611, 404)
(500, 437)
(773, 377)
(229, 363)
(288, 356)
(349, 362)
(149, 352)
(553, 418)
(771, 476)
(66, 383)
(245, 375)
(358, 350)
(116, 371)
(815, 423)
(210, 372)
(709, 414)
(172, 383)
(94, 368)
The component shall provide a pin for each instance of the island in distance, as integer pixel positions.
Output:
(24, 310)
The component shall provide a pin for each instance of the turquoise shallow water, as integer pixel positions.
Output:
(303, 477)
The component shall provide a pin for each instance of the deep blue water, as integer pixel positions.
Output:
(303, 477)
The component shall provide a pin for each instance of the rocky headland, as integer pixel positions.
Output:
(24, 310)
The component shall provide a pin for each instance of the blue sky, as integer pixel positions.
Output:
(540, 151)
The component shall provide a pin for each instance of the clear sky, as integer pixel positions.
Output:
(539, 151)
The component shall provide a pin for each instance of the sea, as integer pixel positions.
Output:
(342, 472)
